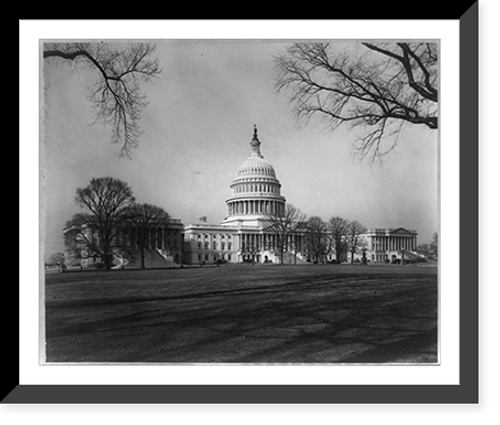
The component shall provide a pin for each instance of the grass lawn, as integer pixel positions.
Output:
(244, 314)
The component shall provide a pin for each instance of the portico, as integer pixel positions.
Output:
(387, 245)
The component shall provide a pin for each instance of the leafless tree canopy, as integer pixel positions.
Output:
(116, 95)
(145, 219)
(355, 231)
(378, 87)
(318, 242)
(284, 225)
(106, 200)
(337, 227)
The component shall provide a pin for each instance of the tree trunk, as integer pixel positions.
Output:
(143, 259)
(107, 258)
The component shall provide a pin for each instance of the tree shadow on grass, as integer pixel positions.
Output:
(310, 322)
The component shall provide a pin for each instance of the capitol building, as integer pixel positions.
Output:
(242, 235)
(248, 232)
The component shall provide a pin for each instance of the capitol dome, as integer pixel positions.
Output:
(256, 166)
(255, 190)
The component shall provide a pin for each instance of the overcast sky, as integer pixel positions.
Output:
(197, 130)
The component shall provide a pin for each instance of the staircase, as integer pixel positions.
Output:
(152, 259)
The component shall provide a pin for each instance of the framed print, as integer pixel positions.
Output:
(237, 217)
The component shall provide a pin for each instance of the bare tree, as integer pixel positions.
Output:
(116, 95)
(434, 246)
(145, 220)
(338, 229)
(317, 239)
(355, 230)
(251, 247)
(284, 226)
(377, 87)
(106, 199)
(55, 259)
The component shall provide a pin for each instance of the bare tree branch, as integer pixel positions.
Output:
(389, 84)
(116, 96)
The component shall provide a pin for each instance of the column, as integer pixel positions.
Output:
(160, 238)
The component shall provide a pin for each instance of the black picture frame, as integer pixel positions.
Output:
(465, 392)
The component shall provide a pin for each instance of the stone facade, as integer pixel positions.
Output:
(390, 245)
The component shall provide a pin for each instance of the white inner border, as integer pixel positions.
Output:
(32, 373)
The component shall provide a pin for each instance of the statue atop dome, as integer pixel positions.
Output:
(255, 143)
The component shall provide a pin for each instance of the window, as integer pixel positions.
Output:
(222, 246)
(228, 246)
(215, 245)
(199, 245)
(206, 245)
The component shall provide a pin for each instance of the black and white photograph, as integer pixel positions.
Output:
(240, 201)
